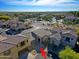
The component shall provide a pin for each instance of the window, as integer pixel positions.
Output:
(72, 39)
(63, 37)
(7, 52)
(68, 39)
(17, 46)
(22, 43)
(38, 39)
(27, 40)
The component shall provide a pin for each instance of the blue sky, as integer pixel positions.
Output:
(39, 5)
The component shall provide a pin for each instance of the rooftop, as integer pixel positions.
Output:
(69, 33)
(5, 46)
(14, 39)
(42, 32)
(56, 36)
(27, 34)
(2, 37)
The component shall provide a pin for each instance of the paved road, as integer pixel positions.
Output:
(40, 25)
(40, 57)
(36, 25)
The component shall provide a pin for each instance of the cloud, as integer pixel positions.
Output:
(52, 2)
(46, 2)
(39, 5)
(21, 2)
(38, 2)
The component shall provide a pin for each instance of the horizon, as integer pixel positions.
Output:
(39, 5)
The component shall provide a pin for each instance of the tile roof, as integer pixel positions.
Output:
(27, 34)
(5, 46)
(42, 32)
(57, 36)
(69, 33)
(14, 39)
(2, 37)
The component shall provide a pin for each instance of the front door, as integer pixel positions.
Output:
(23, 54)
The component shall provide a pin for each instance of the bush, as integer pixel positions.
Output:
(4, 18)
(68, 53)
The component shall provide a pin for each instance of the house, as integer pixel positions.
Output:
(1, 23)
(19, 47)
(69, 38)
(70, 17)
(54, 42)
(55, 39)
(40, 34)
(15, 27)
(54, 20)
(57, 17)
(28, 24)
(48, 38)
(57, 20)
(60, 21)
(15, 24)
(67, 35)
(61, 38)
(27, 33)
(7, 51)
(2, 31)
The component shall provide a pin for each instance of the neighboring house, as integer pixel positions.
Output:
(61, 38)
(58, 17)
(69, 38)
(1, 23)
(7, 51)
(20, 46)
(21, 25)
(67, 34)
(77, 17)
(15, 27)
(60, 21)
(54, 20)
(70, 17)
(28, 24)
(2, 31)
(15, 24)
(27, 33)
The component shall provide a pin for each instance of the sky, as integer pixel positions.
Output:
(39, 5)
